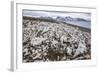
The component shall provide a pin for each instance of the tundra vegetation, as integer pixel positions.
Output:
(48, 40)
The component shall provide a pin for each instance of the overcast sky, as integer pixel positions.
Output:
(86, 16)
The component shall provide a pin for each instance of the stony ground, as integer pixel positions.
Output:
(52, 41)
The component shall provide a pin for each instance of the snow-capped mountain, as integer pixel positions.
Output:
(74, 21)
(67, 19)
(61, 19)
(64, 19)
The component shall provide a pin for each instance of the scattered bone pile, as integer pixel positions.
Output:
(49, 41)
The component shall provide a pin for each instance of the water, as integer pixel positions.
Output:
(86, 24)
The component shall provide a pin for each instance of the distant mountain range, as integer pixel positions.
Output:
(67, 19)
(75, 21)
(61, 19)
(64, 19)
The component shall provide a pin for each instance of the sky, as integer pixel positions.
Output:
(31, 13)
